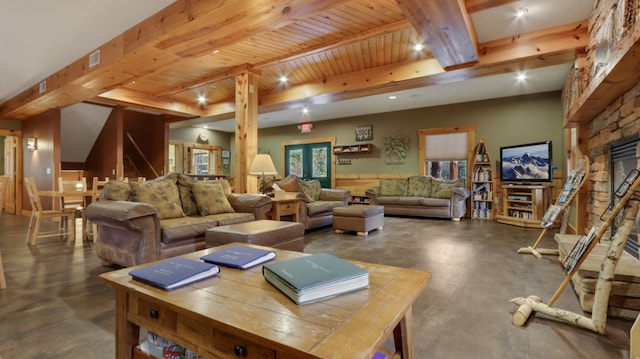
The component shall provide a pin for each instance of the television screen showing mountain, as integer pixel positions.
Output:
(526, 163)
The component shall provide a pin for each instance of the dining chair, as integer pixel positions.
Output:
(75, 202)
(38, 213)
(3, 281)
(4, 181)
(96, 187)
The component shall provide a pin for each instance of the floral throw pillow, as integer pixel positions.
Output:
(393, 187)
(445, 189)
(210, 198)
(163, 195)
(116, 191)
(311, 189)
(419, 186)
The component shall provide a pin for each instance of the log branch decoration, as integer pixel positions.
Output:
(597, 322)
(396, 148)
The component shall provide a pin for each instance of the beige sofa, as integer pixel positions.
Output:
(421, 196)
(319, 202)
(165, 217)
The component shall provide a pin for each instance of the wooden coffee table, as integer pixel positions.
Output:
(238, 313)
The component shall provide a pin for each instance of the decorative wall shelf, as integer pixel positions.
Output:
(617, 78)
(353, 149)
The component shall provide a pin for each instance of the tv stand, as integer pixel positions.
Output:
(524, 205)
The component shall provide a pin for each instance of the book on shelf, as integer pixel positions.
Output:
(550, 215)
(315, 277)
(174, 272)
(239, 257)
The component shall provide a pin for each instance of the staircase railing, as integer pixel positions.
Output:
(141, 154)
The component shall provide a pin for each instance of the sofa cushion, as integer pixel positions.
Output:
(311, 189)
(162, 194)
(445, 189)
(393, 187)
(436, 202)
(210, 198)
(419, 186)
(178, 229)
(116, 191)
(410, 201)
(388, 200)
(318, 207)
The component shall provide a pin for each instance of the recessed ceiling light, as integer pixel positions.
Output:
(418, 47)
(521, 12)
(393, 97)
(521, 76)
(215, 51)
(305, 110)
(283, 78)
(201, 99)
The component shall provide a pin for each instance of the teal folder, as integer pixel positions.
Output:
(315, 277)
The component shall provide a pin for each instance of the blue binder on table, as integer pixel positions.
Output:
(239, 257)
(174, 272)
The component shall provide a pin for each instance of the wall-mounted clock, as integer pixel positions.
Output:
(203, 136)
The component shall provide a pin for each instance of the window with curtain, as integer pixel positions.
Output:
(444, 152)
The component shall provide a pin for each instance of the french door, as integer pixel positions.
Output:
(310, 161)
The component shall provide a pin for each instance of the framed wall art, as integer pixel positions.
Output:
(364, 133)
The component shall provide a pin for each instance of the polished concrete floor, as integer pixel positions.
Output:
(56, 307)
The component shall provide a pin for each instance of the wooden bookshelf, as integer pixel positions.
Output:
(482, 185)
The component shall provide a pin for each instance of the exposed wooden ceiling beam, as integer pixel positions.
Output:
(446, 28)
(477, 5)
(127, 97)
(183, 29)
(208, 80)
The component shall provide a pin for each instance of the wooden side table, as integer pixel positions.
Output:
(289, 205)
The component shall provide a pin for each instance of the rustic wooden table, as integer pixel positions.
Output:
(239, 312)
(286, 206)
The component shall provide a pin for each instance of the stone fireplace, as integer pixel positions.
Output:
(614, 149)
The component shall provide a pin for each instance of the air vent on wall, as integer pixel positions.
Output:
(94, 58)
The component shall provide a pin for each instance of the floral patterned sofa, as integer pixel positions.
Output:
(421, 196)
(165, 217)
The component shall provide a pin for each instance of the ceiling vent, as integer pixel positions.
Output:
(94, 59)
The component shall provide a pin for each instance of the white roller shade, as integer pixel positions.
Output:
(446, 147)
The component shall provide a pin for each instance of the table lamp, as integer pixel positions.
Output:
(263, 165)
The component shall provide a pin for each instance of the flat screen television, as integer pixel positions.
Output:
(526, 164)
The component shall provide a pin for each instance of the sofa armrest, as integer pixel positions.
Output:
(257, 204)
(128, 232)
(328, 194)
(119, 210)
(372, 194)
(462, 192)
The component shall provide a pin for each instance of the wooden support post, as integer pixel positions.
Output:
(246, 134)
(3, 282)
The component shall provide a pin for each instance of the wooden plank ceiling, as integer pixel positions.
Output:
(329, 50)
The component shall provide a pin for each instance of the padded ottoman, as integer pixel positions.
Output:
(276, 234)
(358, 218)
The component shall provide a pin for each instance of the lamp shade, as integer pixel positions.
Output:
(262, 165)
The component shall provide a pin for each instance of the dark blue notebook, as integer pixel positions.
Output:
(174, 272)
(239, 257)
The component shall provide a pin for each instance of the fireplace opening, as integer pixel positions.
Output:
(624, 159)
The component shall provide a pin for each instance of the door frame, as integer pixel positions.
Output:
(331, 140)
(19, 167)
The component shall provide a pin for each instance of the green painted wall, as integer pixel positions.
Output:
(501, 122)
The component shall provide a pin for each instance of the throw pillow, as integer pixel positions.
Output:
(290, 184)
(162, 194)
(393, 187)
(185, 184)
(210, 198)
(420, 186)
(311, 189)
(116, 191)
(445, 189)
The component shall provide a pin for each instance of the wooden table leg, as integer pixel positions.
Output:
(127, 334)
(3, 282)
(403, 336)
